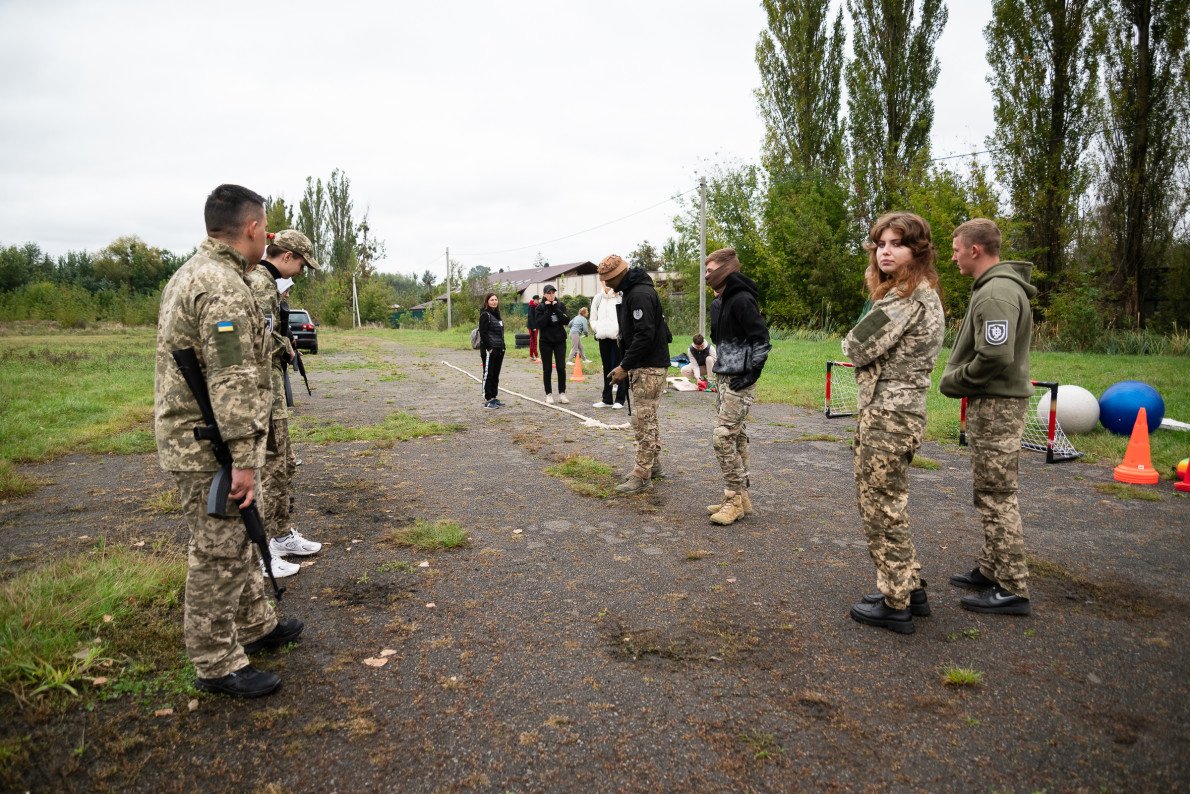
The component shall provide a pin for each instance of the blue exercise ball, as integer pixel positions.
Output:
(1119, 405)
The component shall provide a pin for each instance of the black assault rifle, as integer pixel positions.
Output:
(187, 362)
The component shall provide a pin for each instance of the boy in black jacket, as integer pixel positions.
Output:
(644, 339)
(742, 339)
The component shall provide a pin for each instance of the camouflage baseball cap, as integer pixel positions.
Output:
(298, 243)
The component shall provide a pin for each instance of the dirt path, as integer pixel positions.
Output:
(628, 644)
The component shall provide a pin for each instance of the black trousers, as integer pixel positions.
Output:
(492, 361)
(553, 353)
(609, 351)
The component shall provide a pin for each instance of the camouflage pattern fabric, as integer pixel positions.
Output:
(207, 305)
(884, 447)
(264, 290)
(994, 428)
(275, 478)
(730, 436)
(225, 603)
(645, 386)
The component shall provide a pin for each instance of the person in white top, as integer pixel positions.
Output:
(702, 357)
(605, 323)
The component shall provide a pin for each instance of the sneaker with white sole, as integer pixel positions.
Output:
(601, 404)
(617, 405)
(562, 398)
(293, 543)
(281, 568)
(549, 399)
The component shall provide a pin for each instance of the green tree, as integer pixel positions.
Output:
(20, 265)
(130, 262)
(340, 224)
(278, 214)
(801, 64)
(890, 84)
(646, 256)
(1147, 146)
(1045, 82)
(312, 216)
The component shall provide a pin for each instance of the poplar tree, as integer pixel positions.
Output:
(312, 216)
(1045, 82)
(801, 63)
(1146, 145)
(890, 83)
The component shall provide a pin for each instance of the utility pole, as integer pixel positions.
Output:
(702, 256)
(449, 324)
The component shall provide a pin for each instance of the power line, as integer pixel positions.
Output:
(584, 231)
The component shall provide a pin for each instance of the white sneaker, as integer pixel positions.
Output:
(586, 361)
(617, 405)
(562, 398)
(600, 404)
(293, 543)
(549, 399)
(281, 568)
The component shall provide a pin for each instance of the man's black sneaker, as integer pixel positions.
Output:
(919, 605)
(879, 614)
(973, 580)
(996, 601)
(247, 682)
(285, 632)
(499, 403)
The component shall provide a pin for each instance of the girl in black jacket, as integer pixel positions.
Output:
(552, 322)
(491, 348)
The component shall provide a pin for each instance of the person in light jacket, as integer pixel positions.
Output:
(579, 327)
(606, 326)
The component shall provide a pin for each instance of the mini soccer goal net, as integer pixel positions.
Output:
(1040, 436)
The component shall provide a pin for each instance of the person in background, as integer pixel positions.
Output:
(579, 327)
(702, 359)
(606, 326)
(531, 325)
(894, 348)
(491, 348)
(552, 321)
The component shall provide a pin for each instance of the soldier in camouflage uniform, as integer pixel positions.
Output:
(644, 339)
(989, 365)
(894, 348)
(742, 341)
(285, 257)
(208, 306)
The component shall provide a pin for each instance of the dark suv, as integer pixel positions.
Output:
(305, 334)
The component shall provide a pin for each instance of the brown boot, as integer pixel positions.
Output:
(731, 510)
(745, 498)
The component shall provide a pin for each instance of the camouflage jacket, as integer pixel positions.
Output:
(894, 348)
(207, 305)
(264, 289)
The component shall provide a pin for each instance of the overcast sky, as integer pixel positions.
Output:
(475, 125)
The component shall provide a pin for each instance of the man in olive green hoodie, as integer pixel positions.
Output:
(989, 365)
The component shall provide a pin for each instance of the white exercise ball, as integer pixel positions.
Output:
(1078, 409)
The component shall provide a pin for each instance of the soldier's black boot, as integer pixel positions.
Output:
(974, 580)
(996, 601)
(879, 614)
(919, 604)
(285, 632)
(247, 682)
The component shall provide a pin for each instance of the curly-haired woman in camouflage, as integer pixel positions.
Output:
(894, 348)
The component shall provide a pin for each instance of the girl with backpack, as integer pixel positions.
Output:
(491, 348)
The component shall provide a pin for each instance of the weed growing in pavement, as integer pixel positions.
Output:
(965, 634)
(1030, 632)
(1126, 493)
(13, 483)
(585, 476)
(429, 535)
(398, 567)
(817, 437)
(762, 745)
(163, 502)
(921, 462)
(697, 554)
(51, 617)
(395, 427)
(961, 676)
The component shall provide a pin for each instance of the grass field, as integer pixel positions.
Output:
(67, 391)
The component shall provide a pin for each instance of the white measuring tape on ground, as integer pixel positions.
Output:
(587, 421)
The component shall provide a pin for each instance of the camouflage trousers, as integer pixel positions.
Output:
(994, 428)
(885, 442)
(225, 603)
(730, 436)
(645, 386)
(275, 477)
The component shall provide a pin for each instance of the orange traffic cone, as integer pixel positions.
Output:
(577, 375)
(1137, 467)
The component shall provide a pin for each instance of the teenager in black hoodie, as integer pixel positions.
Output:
(491, 348)
(552, 322)
(739, 333)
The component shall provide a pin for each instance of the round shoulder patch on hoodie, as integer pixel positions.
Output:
(995, 332)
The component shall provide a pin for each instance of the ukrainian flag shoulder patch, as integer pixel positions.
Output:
(225, 326)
